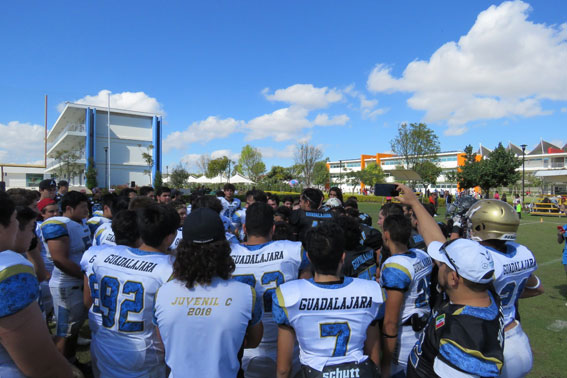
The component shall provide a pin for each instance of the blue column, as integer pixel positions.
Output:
(88, 141)
(93, 143)
(156, 152)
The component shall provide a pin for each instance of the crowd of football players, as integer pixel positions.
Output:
(205, 286)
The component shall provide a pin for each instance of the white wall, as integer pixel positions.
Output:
(15, 177)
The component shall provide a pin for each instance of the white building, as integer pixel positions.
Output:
(117, 155)
(545, 160)
(23, 177)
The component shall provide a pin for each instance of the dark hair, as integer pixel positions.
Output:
(144, 190)
(338, 191)
(283, 211)
(352, 232)
(352, 198)
(125, 227)
(337, 210)
(258, 195)
(108, 200)
(351, 203)
(207, 201)
(392, 209)
(287, 199)
(219, 193)
(162, 189)
(120, 203)
(178, 204)
(7, 208)
(313, 196)
(156, 222)
(352, 212)
(73, 199)
(399, 227)
(282, 231)
(259, 219)
(25, 215)
(274, 197)
(140, 202)
(21, 197)
(126, 192)
(325, 245)
(200, 263)
(229, 186)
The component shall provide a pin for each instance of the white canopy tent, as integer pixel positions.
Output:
(239, 179)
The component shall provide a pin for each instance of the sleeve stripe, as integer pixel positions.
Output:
(473, 352)
(399, 267)
(16, 269)
(54, 221)
(281, 301)
(253, 299)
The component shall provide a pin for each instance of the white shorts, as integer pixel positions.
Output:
(518, 359)
(69, 310)
(407, 338)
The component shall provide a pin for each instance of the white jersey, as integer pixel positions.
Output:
(511, 271)
(79, 241)
(330, 320)
(177, 240)
(18, 289)
(265, 267)
(125, 283)
(43, 247)
(229, 208)
(411, 273)
(95, 222)
(104, 235)
(215, 316)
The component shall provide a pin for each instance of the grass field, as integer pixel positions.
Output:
(544, 318)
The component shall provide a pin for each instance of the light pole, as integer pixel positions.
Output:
(106, 167)
(523, 170)
(341, 175)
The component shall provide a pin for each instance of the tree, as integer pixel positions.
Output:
(415, 144)
(67, 161)
(468, 174)
(203, 164)
(250, 163)
(149, 159)
(278, 174)
(353, 178)
(178, 177)
(307, 155)
(428, 171)
(321, 174)
(91, 175)
(451, 176)
(499, 169)
(371, 175)
(218, 166)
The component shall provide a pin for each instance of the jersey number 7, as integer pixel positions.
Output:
(341, 331)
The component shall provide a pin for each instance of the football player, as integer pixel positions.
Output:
(67, 238)
(334, 319)
(494, 224)
(229, 203)
(202, 302)
(406, 278)
(123, 282)
(102, 225)
(265, 264)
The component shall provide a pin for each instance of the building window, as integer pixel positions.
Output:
(33, 179)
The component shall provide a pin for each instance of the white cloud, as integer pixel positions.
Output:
(324, 120)
(282, 124)
(190, 160)
(202, 131)
(21, 142)
(305, 95)
(137, 101)
(503, 67)
(228, 153)
(285, 153)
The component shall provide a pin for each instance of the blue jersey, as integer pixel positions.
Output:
(565, 238)
(330, 320)
(95, 222)
(229, 208)
(18, 289)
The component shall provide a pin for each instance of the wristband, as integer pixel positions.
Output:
(389, 336)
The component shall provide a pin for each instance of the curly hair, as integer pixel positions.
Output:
(200, 263)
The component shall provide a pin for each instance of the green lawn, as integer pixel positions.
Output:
(544, 318)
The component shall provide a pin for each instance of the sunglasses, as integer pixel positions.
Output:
(443, 249)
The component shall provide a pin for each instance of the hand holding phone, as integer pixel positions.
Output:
(386, 190)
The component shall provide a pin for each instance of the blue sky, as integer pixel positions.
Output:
(341, 75)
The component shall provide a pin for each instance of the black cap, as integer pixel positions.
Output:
(62, 183)
(203, 226)
(46, 184)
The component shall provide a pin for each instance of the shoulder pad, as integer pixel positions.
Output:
(291, 292)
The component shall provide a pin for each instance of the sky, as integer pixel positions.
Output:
(339, 75)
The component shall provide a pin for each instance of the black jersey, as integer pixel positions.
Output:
(416, 241)
(463, 338)
(360, 263)
(370, 237)
(303, 220)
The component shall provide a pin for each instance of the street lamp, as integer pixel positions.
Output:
(523, 170)
(106, 167)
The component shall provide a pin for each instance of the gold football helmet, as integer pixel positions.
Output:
(492, 219)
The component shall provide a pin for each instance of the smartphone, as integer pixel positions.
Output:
(386, 190)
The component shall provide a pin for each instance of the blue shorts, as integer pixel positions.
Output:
(564, 260)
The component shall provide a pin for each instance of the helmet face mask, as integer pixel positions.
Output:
(492, 220)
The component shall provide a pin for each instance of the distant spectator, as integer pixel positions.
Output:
(504, 198)
(335, 192)
(128, 192)
(288, 201)
(496, 195)
(47, 188)
(146, 191)
(163, 195)
(273, 200)
(62, 189)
